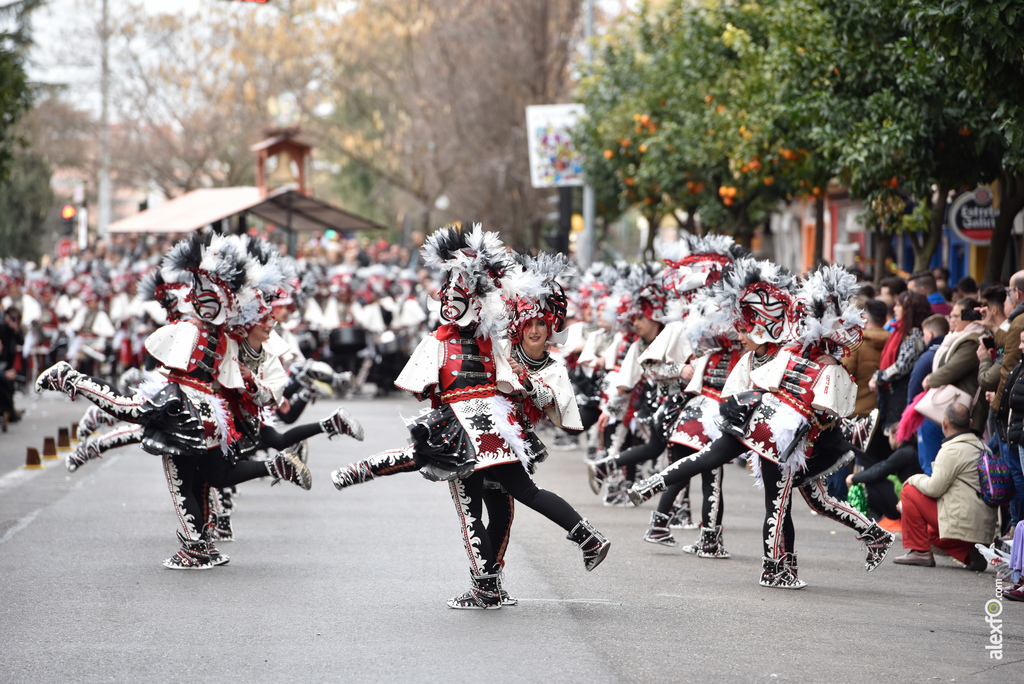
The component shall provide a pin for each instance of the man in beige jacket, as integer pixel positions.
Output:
(945, 510)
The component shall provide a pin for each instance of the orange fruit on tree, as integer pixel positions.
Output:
(608, 154)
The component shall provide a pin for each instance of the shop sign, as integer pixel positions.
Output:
(972, 216)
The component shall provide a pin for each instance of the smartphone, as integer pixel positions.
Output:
(970, 315)
(989, 341)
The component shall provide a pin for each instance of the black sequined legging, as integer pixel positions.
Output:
(711, 487)
(468, 496)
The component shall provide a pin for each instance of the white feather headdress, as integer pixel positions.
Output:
(826, 310)
(478, 259)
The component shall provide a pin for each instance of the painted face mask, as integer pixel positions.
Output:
(456, 305)
(764, 309)
(206, 301)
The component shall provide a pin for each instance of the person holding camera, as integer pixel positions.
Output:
(956, 361)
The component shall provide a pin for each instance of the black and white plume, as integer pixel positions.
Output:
(758, 296)
(477, 258)
(827, 312)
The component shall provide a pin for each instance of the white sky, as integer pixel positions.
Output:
(54, 24)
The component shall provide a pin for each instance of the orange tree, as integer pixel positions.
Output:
(978, 44)
(725, 109)
(899, 128)
(703, 109)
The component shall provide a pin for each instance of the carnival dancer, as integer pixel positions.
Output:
(688, 414)
(785, 390)
(631, 397)
(593, 364)
(472, 435)
(646, 314)
(189, 421)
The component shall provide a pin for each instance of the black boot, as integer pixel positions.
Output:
(597, 473)
(87, 450)
(775, 573)
(712, 545)
(222, 527)
(680, 518)
(659, 532)
(878, 542)
(193, 555)
(709, 544)
(645, 489)
(792, 566)
(59, 377)
(209, 536)
(593, 544)
(483, 595)
(378, 465)
(285, 466)
(340, 423)
(354, 473)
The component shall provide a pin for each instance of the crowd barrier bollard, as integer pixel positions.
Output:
(49, 449)
(32, 461)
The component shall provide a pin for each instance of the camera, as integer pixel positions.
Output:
(970, 315)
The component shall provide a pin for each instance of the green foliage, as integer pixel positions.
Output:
(25, 199)
(707, 108)
(25, 194)
(724, 109)
(15, 99)
(981, 42)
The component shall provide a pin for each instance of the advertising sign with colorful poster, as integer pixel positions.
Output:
(554, 160)
(972, 216)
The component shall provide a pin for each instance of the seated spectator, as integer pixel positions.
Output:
(946, 510)
(956, 361)
(925, 284)
(941, 275)
(883, 504)
(900, 352)
(929, 435)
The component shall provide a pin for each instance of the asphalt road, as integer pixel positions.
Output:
(351, 586)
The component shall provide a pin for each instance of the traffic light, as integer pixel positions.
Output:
(67, 215)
